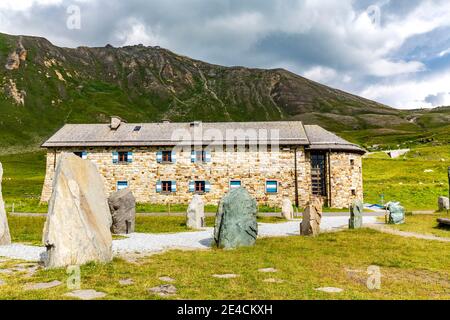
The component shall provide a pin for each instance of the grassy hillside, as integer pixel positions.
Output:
(416, 180)
(51, 86)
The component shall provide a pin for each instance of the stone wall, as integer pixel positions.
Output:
(253, 168)
(346, 179)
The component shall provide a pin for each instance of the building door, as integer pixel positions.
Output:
(318, 174)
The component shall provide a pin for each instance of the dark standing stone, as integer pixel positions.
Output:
(356, 212)
(236, 224)
(122, 205)
(443, 203)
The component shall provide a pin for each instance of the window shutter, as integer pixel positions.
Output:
(207, 186)
(130, 157)
(207, 156)
(191, 186)
(193, 156)
(271, 186)
(174, 157)
(84, 155)
(174, 186)
(115, 157)
(122, 185)
(158, 186)
(159, 156)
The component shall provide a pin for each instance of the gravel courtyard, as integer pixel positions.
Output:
(148, 243)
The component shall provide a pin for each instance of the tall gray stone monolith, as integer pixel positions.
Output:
(195, 215)
(122, 205)
(5, 237)
(312, 216)
(356, 215)
(236, 224)
(78, 223)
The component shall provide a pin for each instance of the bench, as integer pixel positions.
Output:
(444, 222)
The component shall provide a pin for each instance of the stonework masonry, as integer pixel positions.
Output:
(253, 168)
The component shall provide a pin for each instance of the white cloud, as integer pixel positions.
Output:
(138, 33)
(333, 42)
(414, 93)
(444, 53)
(21, 5)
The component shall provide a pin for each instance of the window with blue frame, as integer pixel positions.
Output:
(122, 185)
(166, 186)
(122, 157)
(201, 156)
(81, 154)
(271, 186)
(199, 186)
(235, 184)
(166, 156)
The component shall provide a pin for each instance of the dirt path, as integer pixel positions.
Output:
(385, 229)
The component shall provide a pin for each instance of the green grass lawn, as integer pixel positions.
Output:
(425, 224)
(409, 179)
(410, 269)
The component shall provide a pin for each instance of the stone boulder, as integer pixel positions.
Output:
(195, 215)
(5, 237)
(312, 216)
(287, 211)
(236, 224)
(443, 203)
(356, 215)
(122, 205)
(396, 213)
(78, 223)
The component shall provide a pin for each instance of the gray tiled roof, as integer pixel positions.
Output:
(321, 139)
(169, 134)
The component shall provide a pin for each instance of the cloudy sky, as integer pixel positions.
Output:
(392, 51)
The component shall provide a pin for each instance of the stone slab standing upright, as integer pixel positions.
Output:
(312, 216)
(396, 213)
(443, 203)
(287, 211)
(195, 215)
(236, 224)
(5, 237)
(356, 215)
(78, 223)
(122, 205)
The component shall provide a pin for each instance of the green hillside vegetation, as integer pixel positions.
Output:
(143, 84)
(416, 180)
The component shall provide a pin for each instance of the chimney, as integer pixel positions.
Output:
(115, 122)
(195, 123)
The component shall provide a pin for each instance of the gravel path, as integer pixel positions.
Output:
(146, 242)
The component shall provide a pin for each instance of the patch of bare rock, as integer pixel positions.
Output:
(89, 294)
(330, 290)
(42, 285)
(268, 270)
(166, 279)
(126, 282)
(164, 290)
(225, 276)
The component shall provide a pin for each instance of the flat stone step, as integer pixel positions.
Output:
(444, 221)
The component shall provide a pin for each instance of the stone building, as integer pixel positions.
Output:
(168, 162)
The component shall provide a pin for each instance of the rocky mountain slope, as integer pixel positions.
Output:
(44, 86)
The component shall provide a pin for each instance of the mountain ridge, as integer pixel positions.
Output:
(45, 86)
